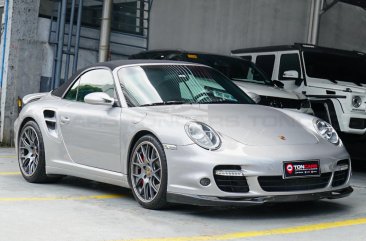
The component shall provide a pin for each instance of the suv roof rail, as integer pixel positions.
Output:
(295, 46)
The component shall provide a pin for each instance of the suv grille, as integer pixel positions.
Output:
(281, 102)
(278, 184)
(228, 183)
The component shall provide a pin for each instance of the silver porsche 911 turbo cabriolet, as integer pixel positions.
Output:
(178, 132)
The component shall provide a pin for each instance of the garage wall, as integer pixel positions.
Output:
(344, 26)
(222, 25)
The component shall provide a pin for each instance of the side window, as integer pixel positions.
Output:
(73, 92)
(289, 62)
(266, 64)
(99, 80)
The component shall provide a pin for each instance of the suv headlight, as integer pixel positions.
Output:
(356, 101)
(203, 135)
(326, 131)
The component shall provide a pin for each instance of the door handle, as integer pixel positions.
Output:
(65, 119)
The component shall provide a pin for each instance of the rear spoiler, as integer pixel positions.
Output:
(28, 99)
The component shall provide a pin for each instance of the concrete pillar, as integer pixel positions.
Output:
(21, 73)
(314, 21)
(105, 30)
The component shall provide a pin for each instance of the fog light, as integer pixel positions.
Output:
(231, 173)
(205, 181)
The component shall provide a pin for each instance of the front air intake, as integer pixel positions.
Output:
(341, 175)
(230, 179)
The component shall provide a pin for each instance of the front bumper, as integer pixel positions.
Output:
(201, 200)
(188, 165)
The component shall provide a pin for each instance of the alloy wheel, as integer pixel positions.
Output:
(29, 151)
(146, 171)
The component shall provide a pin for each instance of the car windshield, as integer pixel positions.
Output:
(234, 68)
(178, 84)
(336, 67)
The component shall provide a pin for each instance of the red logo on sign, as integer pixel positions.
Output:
(289, 168)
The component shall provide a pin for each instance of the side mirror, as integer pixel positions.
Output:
(279, 84)
(99, 98)
(254, 97)
(290, 74)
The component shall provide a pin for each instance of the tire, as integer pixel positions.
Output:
(31, 155)
(147, 173)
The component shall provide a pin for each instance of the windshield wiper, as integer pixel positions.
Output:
(170, 102)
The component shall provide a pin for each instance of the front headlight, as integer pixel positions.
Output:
(203, 135)
(326, 131)
(356, 101)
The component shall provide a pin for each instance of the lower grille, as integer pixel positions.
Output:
(227, 183)
(340, 178)
(356, 123)
(280, 102)
(278, 184)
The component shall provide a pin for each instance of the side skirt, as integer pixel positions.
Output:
(91, 173)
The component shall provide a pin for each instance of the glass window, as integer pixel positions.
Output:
(173, 84)
(234, 68)
(73, 92)
(127, 16)
(289, 62)
(99, 80)
(336, 67)
(266, 64)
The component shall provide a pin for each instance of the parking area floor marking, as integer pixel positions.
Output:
(269, 232)
(23, 199)
(7, 157)
(9, 173)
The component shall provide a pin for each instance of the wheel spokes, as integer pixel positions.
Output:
(146, 171)
(28, 151)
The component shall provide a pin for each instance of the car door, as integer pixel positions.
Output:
(91, 133)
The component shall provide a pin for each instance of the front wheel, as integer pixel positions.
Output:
(148, 173)
(31, 155)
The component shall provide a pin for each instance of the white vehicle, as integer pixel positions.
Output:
(334, 80)
(244, 74)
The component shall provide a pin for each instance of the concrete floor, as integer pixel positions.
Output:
(76, 209)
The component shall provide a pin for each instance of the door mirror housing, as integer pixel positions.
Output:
(99, 98)
(290, 74)
(279, 84)
(254, 97)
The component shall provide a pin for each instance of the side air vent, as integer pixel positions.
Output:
(50, 119)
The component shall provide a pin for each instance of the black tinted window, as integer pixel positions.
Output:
(266, 63)
(349, 68)
(289, 62)
(99, 80)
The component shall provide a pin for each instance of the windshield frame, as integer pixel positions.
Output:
(167, 63)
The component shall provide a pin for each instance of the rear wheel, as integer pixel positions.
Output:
(148, 173)
(31, 154)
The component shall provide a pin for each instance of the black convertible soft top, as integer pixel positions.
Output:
(111, 65)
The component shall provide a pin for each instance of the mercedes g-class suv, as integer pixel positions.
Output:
(333, 79)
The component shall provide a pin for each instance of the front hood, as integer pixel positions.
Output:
(266, 90)
(252, 125)
(341, 85)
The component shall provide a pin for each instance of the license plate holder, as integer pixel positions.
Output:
(302, 169)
